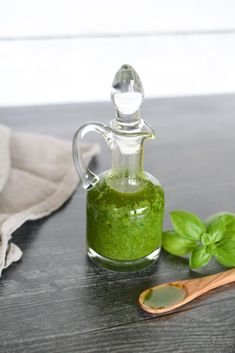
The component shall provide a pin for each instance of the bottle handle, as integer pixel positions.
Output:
(89, 179)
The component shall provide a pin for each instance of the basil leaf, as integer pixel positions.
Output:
(216, 229)
(228, 237)
(187, 224)
(176, 245)
(199, 257)
(225, 253)
(229, 221)
(205, 239)
(214, 217)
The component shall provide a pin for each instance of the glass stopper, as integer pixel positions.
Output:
(127, 94)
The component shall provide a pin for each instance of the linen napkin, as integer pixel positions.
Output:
(37, 176)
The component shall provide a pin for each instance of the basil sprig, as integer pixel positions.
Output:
(202, 240)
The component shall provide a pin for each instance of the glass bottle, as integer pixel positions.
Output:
(125, 205)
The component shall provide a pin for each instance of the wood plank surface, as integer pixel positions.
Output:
(56, 301)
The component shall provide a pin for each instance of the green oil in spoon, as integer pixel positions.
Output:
(164, 296)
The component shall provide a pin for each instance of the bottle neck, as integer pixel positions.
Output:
(127, 162)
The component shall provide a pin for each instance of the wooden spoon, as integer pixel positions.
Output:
(169, 296)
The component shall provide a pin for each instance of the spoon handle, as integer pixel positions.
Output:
(202, 285)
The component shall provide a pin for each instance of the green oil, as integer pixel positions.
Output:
(164, 296)
(125, 225)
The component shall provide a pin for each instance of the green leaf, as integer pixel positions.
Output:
(214, 217)
(229, 221)
(216, 229)
(199, 257)
(187, 224)
(176, 245)
(225, 253)
(205, 239)
(228, 237)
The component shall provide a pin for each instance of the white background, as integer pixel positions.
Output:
(59, 51)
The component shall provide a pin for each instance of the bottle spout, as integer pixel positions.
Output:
(147, 131)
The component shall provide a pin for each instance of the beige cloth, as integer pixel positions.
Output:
(37, 176)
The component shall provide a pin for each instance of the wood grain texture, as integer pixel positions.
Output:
(56, 301)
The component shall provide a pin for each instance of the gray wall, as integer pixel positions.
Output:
(68, 50)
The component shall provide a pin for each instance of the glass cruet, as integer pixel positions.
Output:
(125, 205)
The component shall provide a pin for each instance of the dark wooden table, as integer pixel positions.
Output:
(55, 300)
